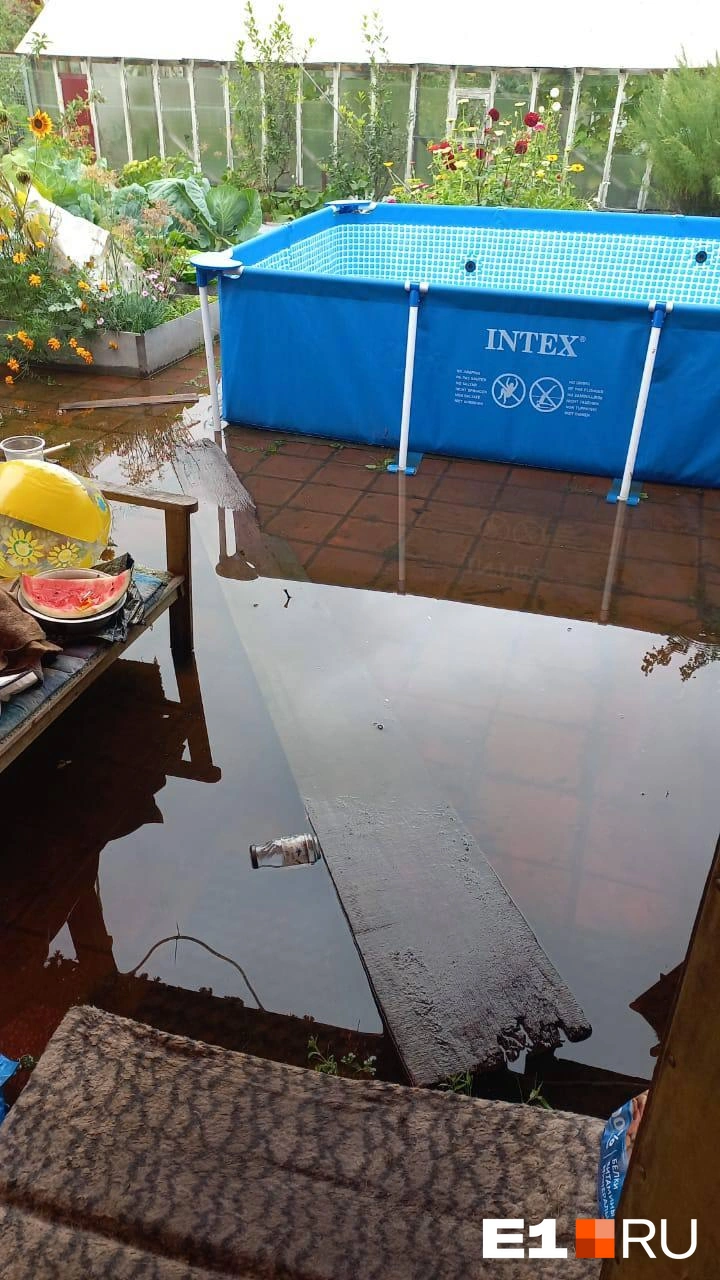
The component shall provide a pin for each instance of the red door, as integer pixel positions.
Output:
(76, 86)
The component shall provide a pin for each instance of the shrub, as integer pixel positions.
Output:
(678, 126)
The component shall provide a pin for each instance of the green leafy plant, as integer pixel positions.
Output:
(16, 16)
(369, 140)
(462, 1082)
(677, 125)
(151, 170)
(208, 216)
(131, 312)
(327, 1064)
(265, 97)
(518, 161)
(284, 206)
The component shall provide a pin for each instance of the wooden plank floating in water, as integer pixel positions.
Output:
(457, 971)
(127, 402)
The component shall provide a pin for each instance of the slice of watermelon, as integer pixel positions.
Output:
(74, 593)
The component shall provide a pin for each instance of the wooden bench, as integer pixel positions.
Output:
(75, 669)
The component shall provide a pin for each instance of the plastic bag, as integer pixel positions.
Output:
(8, 1067)
(616, 1144)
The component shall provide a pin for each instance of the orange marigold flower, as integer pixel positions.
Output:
(83, 284)
(103, 286)
(40, 124)
(10, 337)
(113, 346)
(4, 236)
(83, 306)
(10, 382)
(73, 343)
(88, 357)
(35, 280)
(19, 258)
(13, 365)
(21, 335)
(54, 344)
(28, 344)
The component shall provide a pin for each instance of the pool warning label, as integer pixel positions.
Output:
(578, 398)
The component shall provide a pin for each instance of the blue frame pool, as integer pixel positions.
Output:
(532, 334)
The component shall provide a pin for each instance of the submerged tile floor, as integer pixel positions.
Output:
(581, 755)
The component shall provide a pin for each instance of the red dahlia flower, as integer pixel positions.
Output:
(521, 146)
(531, 118)
(494, 114)
(480, 153)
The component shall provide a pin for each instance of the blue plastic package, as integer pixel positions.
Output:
(8, 1067)
(616, 1144)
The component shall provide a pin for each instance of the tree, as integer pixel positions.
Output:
(16, 17)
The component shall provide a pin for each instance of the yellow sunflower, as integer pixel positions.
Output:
(40, 124)
(64, 556)
(22, 549)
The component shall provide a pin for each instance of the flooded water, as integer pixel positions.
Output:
(545, 670)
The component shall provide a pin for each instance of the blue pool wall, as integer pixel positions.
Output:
(540, 379)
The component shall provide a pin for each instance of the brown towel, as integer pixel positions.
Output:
(23, 642)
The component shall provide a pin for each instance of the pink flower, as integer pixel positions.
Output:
(160, 288)
(145, 294)
(539, 128)
(391, 200)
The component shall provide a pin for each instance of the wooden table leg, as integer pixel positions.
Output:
(177, 541)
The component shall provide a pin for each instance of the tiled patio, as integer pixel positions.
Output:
(488, 534)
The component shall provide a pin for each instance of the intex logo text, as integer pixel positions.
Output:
(532, 343)
(594, 1238)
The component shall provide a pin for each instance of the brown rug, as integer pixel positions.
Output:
(135, 1155)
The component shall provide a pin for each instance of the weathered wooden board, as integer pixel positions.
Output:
(204, 472)
(127, 402)
(673, 1168)
(420, 896)
(183, 1161)
(458, 972)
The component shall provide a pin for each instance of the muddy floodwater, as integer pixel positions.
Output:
(549, 659)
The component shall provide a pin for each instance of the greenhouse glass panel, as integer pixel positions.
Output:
(143, 119)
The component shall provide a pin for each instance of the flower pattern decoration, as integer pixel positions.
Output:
(22, 548)
(64, 556)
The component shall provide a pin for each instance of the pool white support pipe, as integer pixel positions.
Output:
(659, 311)
(415, 291)
(207, 267)
(210, 356)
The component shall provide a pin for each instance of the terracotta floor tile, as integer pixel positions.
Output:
(675, 548)
(661, 617)
(564, 600)
(518, 497)
(588, 506)
(464, 491)
(475, 586)
(519, 749)
(269, 490)
(434, 465)
(517, 526)
(296, 524)
(287, 468)
(491, 472)
(344, 567)
(333, 498)
(451, 518)
(370, 535)
(711, 523)
(653, 578)
(346, 474)
(597, 485)
(583, 568)
(438, 548)
(419, 486)
(582, 535)
(658, 517)
(613, 907)
(383, 506)
(432, 580)
(537, 478)
(507, 559)
(710, 553)
(304, 448)
(538, 824)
